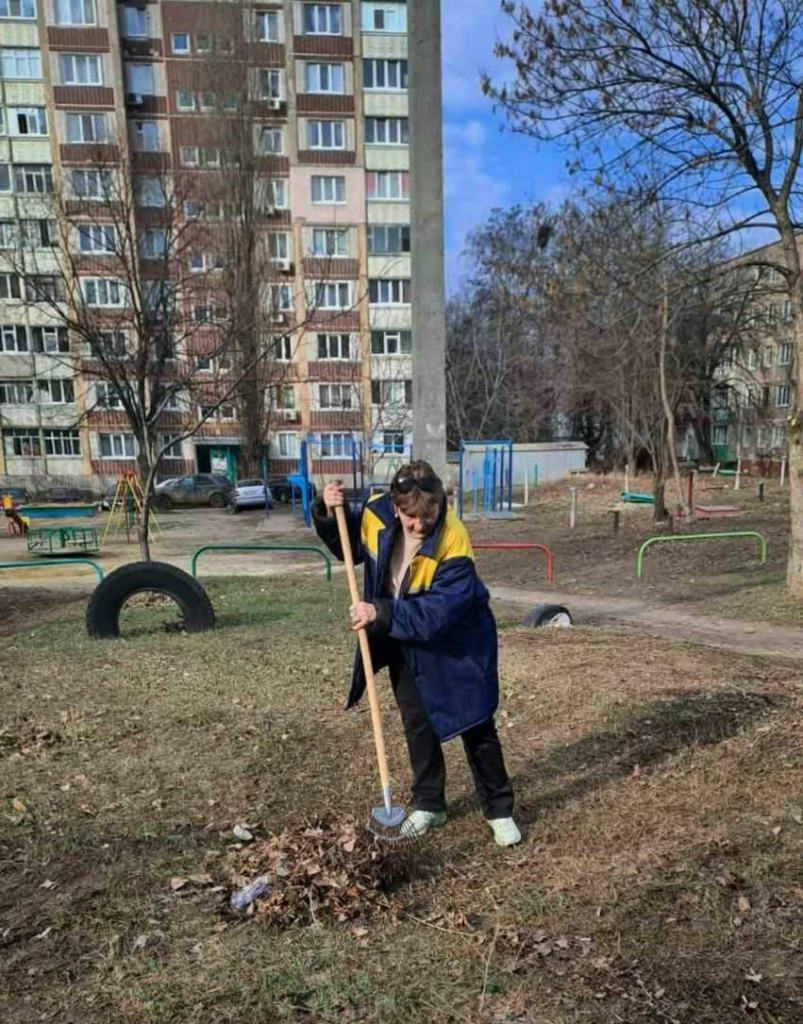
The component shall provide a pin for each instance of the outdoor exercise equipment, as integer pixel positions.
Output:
(634, 498)
(682, 538)
(388, 819)
(497, 476)
(59, 540)
(55, 561)
(111, 594)
(261, 547)
(520, 546)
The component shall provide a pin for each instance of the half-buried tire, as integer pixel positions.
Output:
(111, 594)
(549, 615)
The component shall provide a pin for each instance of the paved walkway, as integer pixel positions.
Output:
(729, 634)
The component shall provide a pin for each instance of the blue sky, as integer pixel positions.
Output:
(485, 165)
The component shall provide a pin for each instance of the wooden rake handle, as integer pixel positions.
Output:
(365, 651)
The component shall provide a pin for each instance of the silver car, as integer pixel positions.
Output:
(251, 494)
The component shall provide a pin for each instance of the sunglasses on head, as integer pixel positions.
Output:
(428, 484)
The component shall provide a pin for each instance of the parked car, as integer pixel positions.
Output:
(197, 489)
(251, 494)
(282, 491)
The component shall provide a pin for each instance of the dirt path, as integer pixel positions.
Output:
(727, 634)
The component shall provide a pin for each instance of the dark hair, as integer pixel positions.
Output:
(417, 489)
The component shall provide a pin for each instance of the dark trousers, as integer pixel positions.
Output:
(482, 746)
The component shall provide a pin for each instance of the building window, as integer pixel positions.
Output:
(135, 22)
(140, 79)
(752, 359)
(387, 131)
(16, 392)
(766, 360)
(388, 185)
(326, 134)
(393, 442)
(331, 295)
(323, 20)
(180, 43)
(333, 347)
(62, 442)
(117, 446)
(392, 393)
(27, 121)
(9, 286)
(782, 396)
(56, 391)
(146, 136)
(80, 69)
(279, 193)
(388, 239)
(325, 78)
(33, 179)
(189, 156)
(286, 397)
(335, 446)
(92, 184)
(153, 245)
(17, 9)
(380, 73)
(39, 234)
(8, 234)
(281, 298)
(86, 128)
(391, 343)
(75, 12)
(330, 242)
(328, 189)
(763, 438)
(335, 396)
(779, 437)
(22, 443)
(270, 83)
(785, 354)
(50, 340)
(20, 64)
(172, 446)
(185, 99)
(389, 291)
(283, 349)
(279, 245)
(384, 17)
(13, 338)
(268, 27)
(5, 176)
(288, 445)
(720, 436)
(45, 288)
(107, 396)
(102, 291)
(150, 192)
(271, 141)
(96, 238)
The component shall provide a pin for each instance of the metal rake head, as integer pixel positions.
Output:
(387, 824)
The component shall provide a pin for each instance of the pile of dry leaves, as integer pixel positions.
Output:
(325, 869)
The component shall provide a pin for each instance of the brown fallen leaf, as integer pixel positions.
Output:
(201, 878)
(744, 904)
(177, 883)
(18, 806)
(754, 977)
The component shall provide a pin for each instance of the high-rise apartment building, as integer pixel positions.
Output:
(144, 89)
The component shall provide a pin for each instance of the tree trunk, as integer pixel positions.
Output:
(669, 413)
(659, 493)
(146, 476)
(794, 567)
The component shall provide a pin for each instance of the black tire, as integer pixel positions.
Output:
(218, 500)
(161, 502)
(549, 615)
(281, 494)
(108, 598)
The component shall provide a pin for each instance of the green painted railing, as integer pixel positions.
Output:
(261, 547)
(762, 543)
(54, 561)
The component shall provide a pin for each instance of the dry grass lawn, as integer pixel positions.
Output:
(660, 786)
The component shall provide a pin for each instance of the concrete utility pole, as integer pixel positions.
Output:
(426, 198)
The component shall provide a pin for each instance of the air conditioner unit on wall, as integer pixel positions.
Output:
(286, 266)
(279, 318)
(274, 103)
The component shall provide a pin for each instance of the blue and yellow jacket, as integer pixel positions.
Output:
(442, 621)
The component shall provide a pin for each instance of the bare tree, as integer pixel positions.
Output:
(708, 94)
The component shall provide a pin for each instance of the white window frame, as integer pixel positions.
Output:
(154, 190)
(94, 120)
(107, 396)
(324, 17)
(268, 27)
(392, 194)
(180, 51)
(339, 239)
(281, 298)
(391, 126)
(273, 133)
(153, 243)
(32, 117)
(321, 78)
(779, 437)
(279, 246)
(136, 70)
(390, 291)
(135, 22)
(327, 342)
(126, 443)
(102, 179)
(55, 391)
(331, 295)
(335, 397)
(186, 100)
(374, 18)
(328, 183)
(26, 8)
(170, 454)
(385, 69)
(337, 440)
(141, 136)
(401, 339)
(21, 64)
(96, 238)
(75, 12)
(317, 130)
(102, 292)
(270, 83)
(72, 66)
(387, 228)
(283, 349)
(782, 396)
(287, 442)
(14, 338)
(785, 353)
(279, 193)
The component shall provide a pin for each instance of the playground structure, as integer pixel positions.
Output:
(490, 462)
(60, 540)
(676, 539)
(126, 509)
(520, 546)
(298, 548)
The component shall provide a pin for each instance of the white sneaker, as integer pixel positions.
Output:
(420, 822)
(505, 830)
